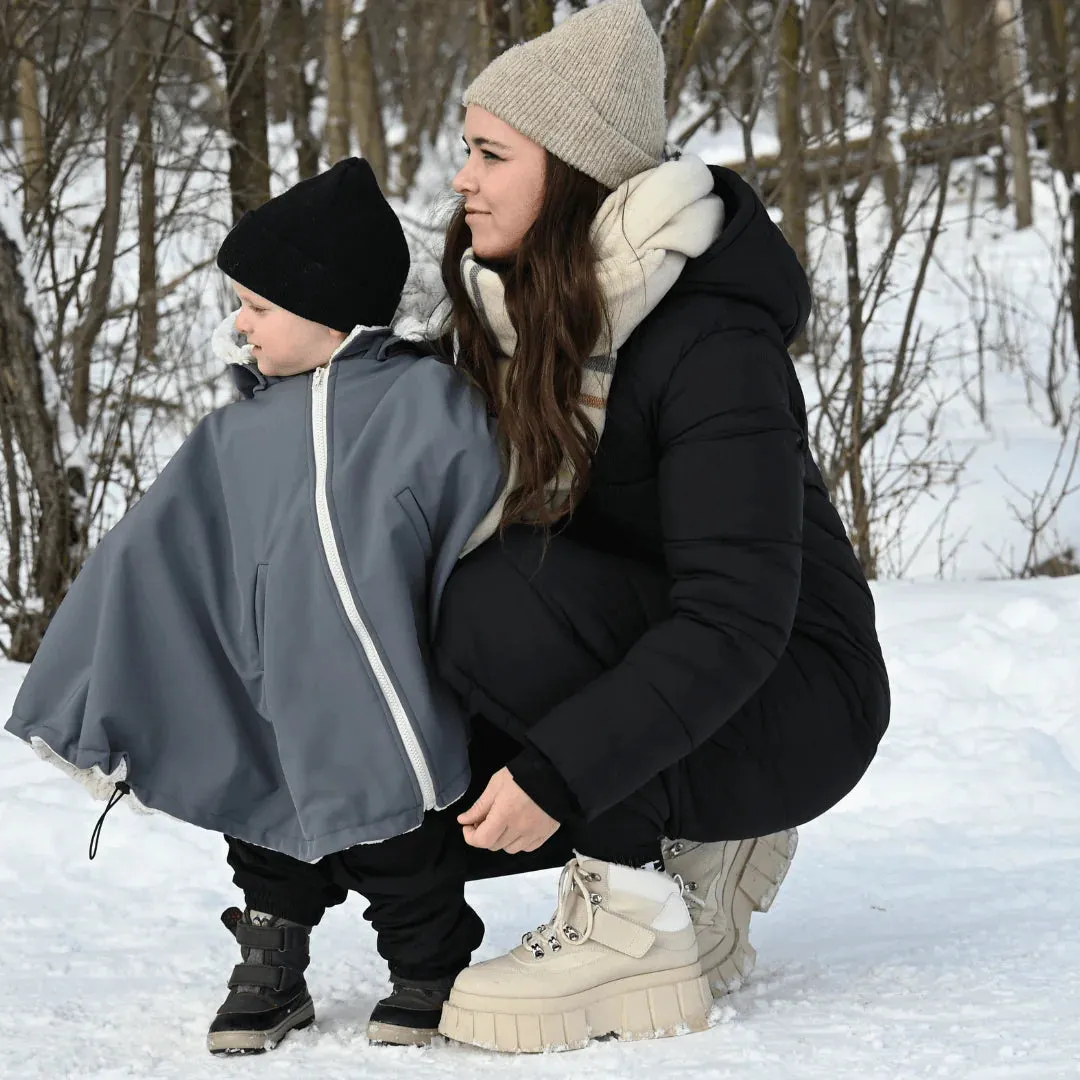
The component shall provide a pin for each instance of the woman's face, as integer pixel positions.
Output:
(502, 183)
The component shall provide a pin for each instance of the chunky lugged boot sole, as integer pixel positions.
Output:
(758, 871)
(380, 1033)
(655, 1005)
(258, 1042)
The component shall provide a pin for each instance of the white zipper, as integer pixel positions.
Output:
(319, 405)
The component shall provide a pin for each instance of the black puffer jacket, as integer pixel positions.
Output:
(704, 466)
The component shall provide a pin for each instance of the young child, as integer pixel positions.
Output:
(247, 650)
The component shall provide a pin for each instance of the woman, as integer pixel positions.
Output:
(669, 637)
(692, 652)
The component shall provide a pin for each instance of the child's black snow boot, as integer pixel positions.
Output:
(267, 993)
(409, 1016)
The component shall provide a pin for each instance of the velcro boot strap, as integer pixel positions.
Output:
(622, 935)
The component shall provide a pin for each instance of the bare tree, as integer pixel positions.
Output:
(789, 109)
(367, 101)
(1045, 553)
(145, 89)
(98, 366)
(864, 392)
(243, 53)
(34, 157)
(337, 88)
(47, 524)
(118, 106)
(680, 29)
(537, 17)
(135, 130)
(295, 27)
(1062, 75)
(1007, 21)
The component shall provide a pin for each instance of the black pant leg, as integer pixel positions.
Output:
(415, 888)
(793, 751)
(617, 839)
(518, 634)
(281, 885)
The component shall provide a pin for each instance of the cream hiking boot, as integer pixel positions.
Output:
(619, 957)
(724, 883)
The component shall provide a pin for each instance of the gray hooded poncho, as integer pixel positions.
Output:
(248, 648)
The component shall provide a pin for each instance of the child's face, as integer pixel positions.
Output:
(283, 343)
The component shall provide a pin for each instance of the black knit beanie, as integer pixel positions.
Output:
(329, 249)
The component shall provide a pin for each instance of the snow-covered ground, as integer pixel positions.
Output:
(930, 926)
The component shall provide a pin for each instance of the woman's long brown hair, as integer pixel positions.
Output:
(555, 303)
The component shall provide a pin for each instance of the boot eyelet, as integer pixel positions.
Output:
(595, 899)
(691, 886)
(594, 877)
(570, 933)
(677, 848)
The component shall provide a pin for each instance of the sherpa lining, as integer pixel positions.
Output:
(101, 787)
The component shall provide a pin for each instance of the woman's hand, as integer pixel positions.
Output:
(504, 818)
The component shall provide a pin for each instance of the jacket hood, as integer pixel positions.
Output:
(751, 260)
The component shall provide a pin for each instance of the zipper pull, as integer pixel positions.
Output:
(319, 376)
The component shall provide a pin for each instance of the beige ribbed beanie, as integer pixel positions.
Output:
(591, 91)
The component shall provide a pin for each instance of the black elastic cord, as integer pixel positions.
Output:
(122, 789)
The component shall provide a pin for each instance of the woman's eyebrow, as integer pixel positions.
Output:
(481, 141)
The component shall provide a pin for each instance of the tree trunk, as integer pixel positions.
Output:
(34, 157)
(1012, 91)
(678, 43)
(873, 33)
(818, 76)
(793, 195)
(1065, 142)
(22, 401)
(968, 41)
(366, 103)
(1074, 268)
(493, 26)
(742, 81)
(243, 53)
(480, 50)
(118, 101)
(514, 21)
(537, 17)
(145, 90)
(337, 86)
(860, 502)
(953, 74)
(192, 56)
(1074, 173)
(1064, 137)
(830, 63)
(14, 537)
(278, 76)
(299, 91)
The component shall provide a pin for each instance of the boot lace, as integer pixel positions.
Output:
(673, 849)
(575, 879)
(688, 890)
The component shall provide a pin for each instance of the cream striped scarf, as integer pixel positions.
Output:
(643, 234)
